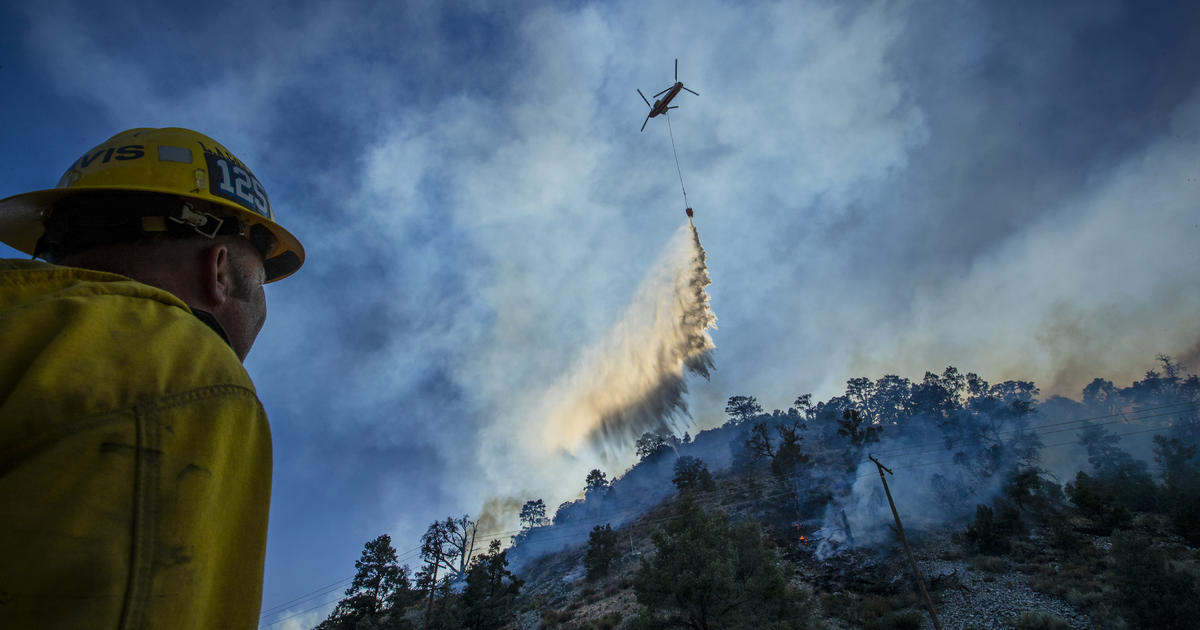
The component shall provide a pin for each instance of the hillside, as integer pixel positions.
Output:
(1047, 577)
(1019, 512)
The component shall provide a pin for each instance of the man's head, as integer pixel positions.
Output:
(222, 276)
(168, 207)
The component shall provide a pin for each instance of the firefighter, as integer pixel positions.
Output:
(135, 456)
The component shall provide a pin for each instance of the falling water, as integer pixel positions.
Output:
(633, 381)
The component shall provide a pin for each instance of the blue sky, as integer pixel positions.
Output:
(881, 187)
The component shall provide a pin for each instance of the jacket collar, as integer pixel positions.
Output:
(212, 323)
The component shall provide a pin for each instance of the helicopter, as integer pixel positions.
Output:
(661, 106)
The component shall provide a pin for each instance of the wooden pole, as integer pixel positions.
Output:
(432, 590)
(904, 539)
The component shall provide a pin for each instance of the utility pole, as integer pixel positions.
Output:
(904, 539)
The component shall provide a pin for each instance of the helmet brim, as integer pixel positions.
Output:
(21, 223)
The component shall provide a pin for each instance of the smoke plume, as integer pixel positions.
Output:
(633, 380)
(495, 516)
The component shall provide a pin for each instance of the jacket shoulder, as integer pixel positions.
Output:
(97, 341)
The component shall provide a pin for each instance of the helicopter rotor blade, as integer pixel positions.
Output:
(692, 91)
(644, 99)
(662, 92)
(676, 69)
(644, 122)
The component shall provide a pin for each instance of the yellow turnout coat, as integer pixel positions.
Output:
(135, 459)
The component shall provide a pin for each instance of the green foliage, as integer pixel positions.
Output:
(1120, 476)
(380, 586)
(487, 602)
(691, 473)
(1152, 594)
(708, 573)
(1029, 492)
(651, 444)
(742, 409)
(596, 483)
(874, 612)
(903, 620)
(602, 550)
(533, 514)
(786, 455)
(858, 428)
(984, 533)
(1181, 485)
(1096, 500)
(1040, 621)
(990, 532)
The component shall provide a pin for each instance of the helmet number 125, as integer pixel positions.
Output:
(237, 184)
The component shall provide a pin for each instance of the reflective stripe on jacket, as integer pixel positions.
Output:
(135, 459)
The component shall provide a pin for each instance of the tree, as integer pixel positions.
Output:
(602, 550)
(1181, 485)
(710, 574)
(533, 514)
(1096, 501)
(488, 600)
(1127, 479)
(854, 426)
(458, 544)
(1101, 397)
(448, 545)
(691, 473)
(790, 456)
(760, 442)
(651, 443)
(432, 552)
(742, 409)
(1152, 593)
(597, 482)
(803, 405)
(379, 586)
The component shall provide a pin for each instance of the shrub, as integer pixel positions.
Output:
(1040, 621)
(1065, 537)
(904, 620)
(1097, 501)
(991, 564)
(708, 572)
(602, 550)
(986, 532)
(1181, 485)
(609, 622)
(691, 473)
(1151, 593)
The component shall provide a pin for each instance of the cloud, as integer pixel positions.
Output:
(1091, 288)
(882, 187)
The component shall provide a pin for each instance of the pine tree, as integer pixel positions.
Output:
(602, 549)
(487, 601)
(380, 585)
(708, 573)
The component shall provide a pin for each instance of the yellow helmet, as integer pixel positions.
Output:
(171, 161)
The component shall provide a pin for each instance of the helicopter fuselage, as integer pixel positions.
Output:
(661, 105)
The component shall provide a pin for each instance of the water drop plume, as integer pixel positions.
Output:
(633, 380)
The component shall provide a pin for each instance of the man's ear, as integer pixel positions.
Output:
(216, 274)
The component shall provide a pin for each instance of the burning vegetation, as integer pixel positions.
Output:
(1020, 512)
